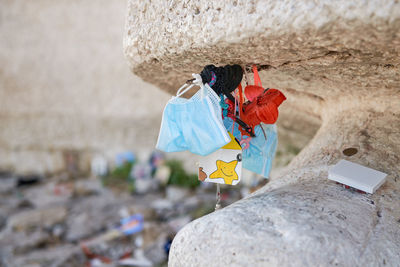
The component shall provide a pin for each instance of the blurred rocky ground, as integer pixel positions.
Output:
(74, 218)
(47, 221)
(71, 218)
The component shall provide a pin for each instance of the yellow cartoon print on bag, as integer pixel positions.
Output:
(224, 166)
(226, 171)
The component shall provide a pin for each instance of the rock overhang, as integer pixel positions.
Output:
(166, 42)
(338, 62)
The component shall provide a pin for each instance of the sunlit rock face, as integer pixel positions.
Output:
(338, 63)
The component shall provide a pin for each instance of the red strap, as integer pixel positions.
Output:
(257, 80)
(234, 110)
(240, 99)
(241, 114)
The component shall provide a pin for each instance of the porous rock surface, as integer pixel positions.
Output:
(338, 63)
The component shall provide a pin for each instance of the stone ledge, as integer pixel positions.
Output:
(173, 41)
(336, 61)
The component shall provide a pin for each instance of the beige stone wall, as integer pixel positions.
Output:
(65, 85)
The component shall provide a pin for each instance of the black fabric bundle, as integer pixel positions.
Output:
(228, 78)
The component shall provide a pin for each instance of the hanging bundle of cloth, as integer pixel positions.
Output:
(220, 115)
(259, 113)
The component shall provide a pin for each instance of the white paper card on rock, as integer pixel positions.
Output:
(357, 176)
(224, 166)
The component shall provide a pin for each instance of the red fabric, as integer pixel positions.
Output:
(263, 109)
(252, 91)
(241, 101)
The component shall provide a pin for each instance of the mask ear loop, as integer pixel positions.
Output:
(199, 82)
(240, 105)
(196, 81)
(180, 92)
(181, 88)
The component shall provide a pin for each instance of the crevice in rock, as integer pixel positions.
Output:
(376, 220)
(315, 97)
(329, 54)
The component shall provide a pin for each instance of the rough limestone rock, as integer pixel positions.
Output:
(338, 63)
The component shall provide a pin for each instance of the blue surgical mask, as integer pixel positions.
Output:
(193, 124)
(258, 152)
